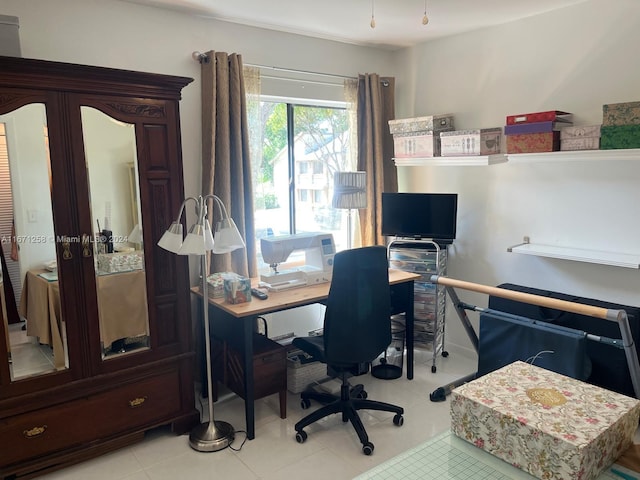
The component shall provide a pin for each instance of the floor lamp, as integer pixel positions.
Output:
(349, 192)
(213, 435)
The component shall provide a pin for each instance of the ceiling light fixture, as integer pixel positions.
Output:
(425, 18)
(373, 18)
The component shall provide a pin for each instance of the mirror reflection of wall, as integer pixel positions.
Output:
(110, 151)
(31, 186)
(38, 347)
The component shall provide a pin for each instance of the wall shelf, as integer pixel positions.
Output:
(576, 155)
(578, 254)
(631, 154)
(479, 160)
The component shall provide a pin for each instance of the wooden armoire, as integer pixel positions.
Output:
(93, 155)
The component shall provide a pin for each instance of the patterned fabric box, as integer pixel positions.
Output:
(580, 138)
(550, 425)
(430, 123)
(419, 137)
(418, 145)
(533, 142)
(482, 141)
(620, 136)
(215, 285)
(627, 113)
(120, 262)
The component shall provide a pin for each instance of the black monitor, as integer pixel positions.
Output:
(420, 215)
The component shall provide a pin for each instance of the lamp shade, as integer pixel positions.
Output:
(227, 237)
(208, 236)
(194, 242)
(172, 238)
(136, 234)
(349, 190)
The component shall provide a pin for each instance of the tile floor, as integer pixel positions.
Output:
(332, 450)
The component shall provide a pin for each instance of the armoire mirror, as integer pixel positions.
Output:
(112, 172)
(29, 293)
(30, 277)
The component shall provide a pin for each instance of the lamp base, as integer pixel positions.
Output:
(211, 436)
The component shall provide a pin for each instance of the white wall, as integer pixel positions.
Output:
(29, 166)
(575, 59)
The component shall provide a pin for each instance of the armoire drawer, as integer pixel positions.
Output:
(85, 420)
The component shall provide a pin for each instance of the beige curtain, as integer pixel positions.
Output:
(375, 106)
(226, 168)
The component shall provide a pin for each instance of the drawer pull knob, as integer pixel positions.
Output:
(136, 402)
(34, 432)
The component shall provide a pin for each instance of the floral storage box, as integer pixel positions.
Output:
(546, 424)
(438, 123)
(120, 262)
(420, 136)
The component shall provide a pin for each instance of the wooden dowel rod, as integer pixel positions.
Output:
(597, 312)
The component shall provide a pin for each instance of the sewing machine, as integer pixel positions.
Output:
(318, 248)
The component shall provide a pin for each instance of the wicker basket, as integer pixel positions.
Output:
(301, 371)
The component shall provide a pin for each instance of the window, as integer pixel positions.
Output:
(302, 146)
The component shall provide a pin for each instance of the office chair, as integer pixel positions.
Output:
(357, 328)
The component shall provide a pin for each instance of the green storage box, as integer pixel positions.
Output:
(619, 136)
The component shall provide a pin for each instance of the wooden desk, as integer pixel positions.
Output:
(236, 323)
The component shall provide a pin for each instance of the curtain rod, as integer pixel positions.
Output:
(203, 57)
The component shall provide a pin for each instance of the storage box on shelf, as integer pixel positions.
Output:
(420, 136)
(533, 142)
(547, 424)
(535, 127)
(620, 126)
(535, 132)
(425, 258)
(620, 136)
(580, 138)
(481, 141)
(548, 116)
(626, 113)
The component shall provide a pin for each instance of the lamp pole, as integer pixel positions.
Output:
(215, 434)
(212, 435)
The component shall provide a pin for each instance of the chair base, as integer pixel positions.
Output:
(350, 401)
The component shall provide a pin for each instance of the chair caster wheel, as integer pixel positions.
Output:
(433, 369)
(301, 436)
(367, 448)
(362, 395)
(305, 403)
(445, 354)
(398, 420)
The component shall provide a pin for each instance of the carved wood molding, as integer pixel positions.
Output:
(139, 110)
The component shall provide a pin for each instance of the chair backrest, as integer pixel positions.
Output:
(357, 321)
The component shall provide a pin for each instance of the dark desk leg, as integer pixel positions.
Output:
(201, 354)
(408, 315)
(248, 324)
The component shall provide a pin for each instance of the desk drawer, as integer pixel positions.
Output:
(121, 409)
